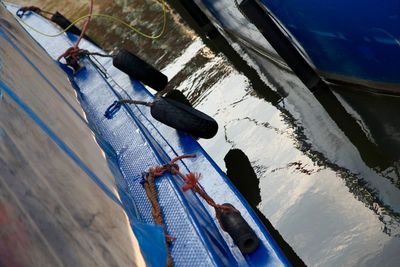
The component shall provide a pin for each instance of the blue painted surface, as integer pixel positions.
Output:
(356, 40)
(134, 142)
(359, 39)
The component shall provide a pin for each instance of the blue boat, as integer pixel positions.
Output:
(345, 42)
(69, 205)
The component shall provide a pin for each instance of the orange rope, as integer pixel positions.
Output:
(73, 51)
(86, 26)
(152, 195)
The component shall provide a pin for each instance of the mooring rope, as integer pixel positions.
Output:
(71, 55)
(191, 183)
(86, 25)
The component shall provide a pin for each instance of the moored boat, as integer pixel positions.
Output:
(354, 43)
(132, 141)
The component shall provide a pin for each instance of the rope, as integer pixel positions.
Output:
(116, 106)
(191, 183)
(71, 55)
(152, 195)
(105, 16)
(137, 102)
(86, 25)
(96, 54)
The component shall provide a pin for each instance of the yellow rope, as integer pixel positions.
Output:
(107, 17)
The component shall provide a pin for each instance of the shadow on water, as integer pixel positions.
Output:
(243, 176)
(240, 172)
(379, 113)
(372, 155)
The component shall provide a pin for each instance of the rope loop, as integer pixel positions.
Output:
(112, 110)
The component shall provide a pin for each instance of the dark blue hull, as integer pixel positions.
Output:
(350, 41)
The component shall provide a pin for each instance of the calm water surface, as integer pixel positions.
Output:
(330, 189)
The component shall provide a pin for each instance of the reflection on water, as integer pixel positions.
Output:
(328, 173)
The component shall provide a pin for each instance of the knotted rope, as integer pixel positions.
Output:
(71, 55)
(191, 183)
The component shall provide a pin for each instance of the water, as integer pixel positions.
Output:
(328, 179)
